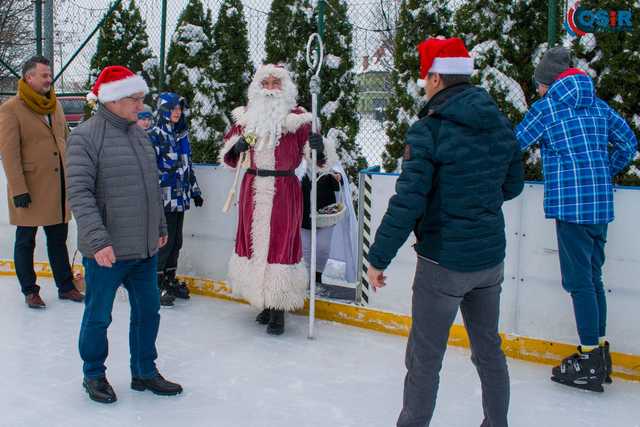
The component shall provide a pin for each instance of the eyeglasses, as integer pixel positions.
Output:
(137, 99)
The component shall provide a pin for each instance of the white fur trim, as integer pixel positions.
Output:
(422, 83)
(294, 120)
(452, 66)
(239, 116)
(284, 287)
(331, 156)
(228, 145)
(92, 97)
(119, 89)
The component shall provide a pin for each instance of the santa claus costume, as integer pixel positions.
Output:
(267, 268)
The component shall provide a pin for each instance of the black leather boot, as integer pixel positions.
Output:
(99, 390)
(157, 385)
(166, 298)
(264, 316)
(276, 322)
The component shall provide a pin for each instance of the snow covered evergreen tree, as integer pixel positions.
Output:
(232, 65)
(613, 60)
(190, 73)
(289, 25)
(418, 19)
(339, 94)
(507, 40)
(123, 40)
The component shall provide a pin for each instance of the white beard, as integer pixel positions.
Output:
(266, 113)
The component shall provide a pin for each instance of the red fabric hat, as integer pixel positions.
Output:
(116, 82)
(443, 56)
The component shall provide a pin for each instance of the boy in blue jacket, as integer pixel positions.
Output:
(170, 138)
(584, 143)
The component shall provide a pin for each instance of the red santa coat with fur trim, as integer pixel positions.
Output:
(267, 268)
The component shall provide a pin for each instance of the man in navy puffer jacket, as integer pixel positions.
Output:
(461, 162)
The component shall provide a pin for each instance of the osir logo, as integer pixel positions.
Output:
(581, 21)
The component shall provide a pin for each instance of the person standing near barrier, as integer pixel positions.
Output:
(266, 267)
(584, 143)
(461, 162)
(112, 182)
(170, 138)
(33, 131)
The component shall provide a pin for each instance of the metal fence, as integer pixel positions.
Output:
(373, 21)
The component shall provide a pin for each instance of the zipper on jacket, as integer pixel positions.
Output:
(146, 193)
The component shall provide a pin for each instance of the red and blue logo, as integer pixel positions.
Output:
(581, 21)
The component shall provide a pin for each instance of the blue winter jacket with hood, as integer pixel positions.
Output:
(173, 151)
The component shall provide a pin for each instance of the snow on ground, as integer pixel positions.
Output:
(236, 375)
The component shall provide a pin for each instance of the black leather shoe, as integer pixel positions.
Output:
(276, 323)
(157, 385)
(99, 390)
(263, 317)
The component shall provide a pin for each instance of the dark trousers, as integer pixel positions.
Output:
(139, 278)
(437, 295)
(581, 259)
(169, 253)
(56, 250)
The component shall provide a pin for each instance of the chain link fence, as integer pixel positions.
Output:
(374, 26)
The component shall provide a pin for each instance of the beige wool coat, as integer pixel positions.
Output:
(33, 158)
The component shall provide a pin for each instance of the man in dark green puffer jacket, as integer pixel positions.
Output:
(461, 162)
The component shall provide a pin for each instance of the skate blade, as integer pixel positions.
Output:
(588, 386)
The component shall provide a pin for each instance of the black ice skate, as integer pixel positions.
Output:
(178, 289)
(166, 298)
(606, 352)
(585, 371)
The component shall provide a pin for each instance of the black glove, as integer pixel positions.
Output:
(198, 201)
(316, 143)
(240, 146)
(22, 200)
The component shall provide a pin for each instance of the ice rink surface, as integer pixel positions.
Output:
(234, 374)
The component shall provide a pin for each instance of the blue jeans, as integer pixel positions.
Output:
(56, 250)
(140, 279)
(581, 259)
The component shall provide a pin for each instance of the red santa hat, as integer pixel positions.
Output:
(443, 56)
(116, 82)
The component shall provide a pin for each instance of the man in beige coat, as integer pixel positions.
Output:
(33, 131)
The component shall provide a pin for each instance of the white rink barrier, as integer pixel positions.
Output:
(533, 301)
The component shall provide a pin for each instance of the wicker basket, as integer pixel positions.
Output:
(328, 220)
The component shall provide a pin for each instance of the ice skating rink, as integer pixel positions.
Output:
(236, 375)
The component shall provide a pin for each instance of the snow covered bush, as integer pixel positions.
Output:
(418, 19)
(190, 73)
(123, 40)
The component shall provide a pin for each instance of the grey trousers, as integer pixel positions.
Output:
(437, 294)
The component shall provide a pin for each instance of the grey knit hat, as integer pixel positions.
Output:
(554, 62)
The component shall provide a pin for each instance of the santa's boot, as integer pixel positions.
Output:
(584, 370)
(166, 299)
(608, 366)
(264, 316)
(276, 322)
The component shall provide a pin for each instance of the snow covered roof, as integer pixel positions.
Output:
(377, 63)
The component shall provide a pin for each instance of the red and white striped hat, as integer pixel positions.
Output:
(116, 82)
(443, 56)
